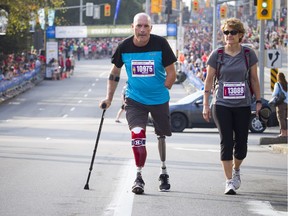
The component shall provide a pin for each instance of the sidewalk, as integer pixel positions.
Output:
(277, 144)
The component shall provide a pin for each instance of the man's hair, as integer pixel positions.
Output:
(136, 17)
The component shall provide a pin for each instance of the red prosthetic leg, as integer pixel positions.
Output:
(138, 146)
(140, 154)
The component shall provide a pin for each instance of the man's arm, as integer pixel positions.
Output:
(112, 84)
(171, 76)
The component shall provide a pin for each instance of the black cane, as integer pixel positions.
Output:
(86, 187)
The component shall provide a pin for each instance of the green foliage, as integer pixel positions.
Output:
(20, 12)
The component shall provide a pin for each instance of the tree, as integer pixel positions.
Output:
(20, 12)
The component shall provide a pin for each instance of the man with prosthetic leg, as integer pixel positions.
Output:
(149, 63)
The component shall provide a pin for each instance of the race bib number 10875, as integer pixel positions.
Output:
(143, 68)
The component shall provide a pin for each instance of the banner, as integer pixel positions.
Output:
(41, 17)
(3, 21)
(116, 11)
(51, 17)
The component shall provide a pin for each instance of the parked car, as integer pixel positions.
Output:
(187, 113)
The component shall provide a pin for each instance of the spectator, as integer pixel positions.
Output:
(281, 109)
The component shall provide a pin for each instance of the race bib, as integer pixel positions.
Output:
(141, 68)
(233, 90)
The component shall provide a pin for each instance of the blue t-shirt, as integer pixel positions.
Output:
(145, 67)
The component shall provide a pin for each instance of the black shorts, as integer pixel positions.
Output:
(68, 68)
(137, 116)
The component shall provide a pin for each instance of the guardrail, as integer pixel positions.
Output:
(192, 83)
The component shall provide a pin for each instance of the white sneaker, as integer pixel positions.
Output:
(229, 188)
(236, 179)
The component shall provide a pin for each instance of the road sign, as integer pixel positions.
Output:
(97, 12)
(89, 9)
(273, 73)
(273, 59)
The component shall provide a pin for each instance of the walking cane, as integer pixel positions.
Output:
(86, 187)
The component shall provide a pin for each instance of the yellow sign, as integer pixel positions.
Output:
(274, 73)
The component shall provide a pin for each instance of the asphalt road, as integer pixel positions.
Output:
(47, 137)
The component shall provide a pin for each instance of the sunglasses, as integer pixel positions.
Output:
(233, 32)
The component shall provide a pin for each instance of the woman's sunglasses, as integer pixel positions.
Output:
(233, 32)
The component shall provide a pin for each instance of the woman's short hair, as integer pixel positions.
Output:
(235, 24)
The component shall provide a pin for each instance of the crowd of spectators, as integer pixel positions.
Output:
(18, 72)
(14, 65)
(191, 60)
(198, 45)
(88, 48)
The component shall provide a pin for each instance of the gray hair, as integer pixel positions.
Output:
(136, 17)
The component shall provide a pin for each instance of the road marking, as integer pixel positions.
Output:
(72, 109)
(201, 150)
(80, 101)
(122, 201)
(102, 75)
(65, 116)
(264, 208)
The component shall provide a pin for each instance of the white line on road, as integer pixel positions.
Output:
(264, 208)
(123, 198)
(201, 150)
(72, 109)
(102, 75)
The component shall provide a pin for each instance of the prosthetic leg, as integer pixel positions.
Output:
(162, 153)
(140, 154)
(164, 177)
(138, 146)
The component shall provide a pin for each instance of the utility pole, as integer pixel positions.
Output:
(261, 56)
(147, 7)
(214, 24)
(81, 13)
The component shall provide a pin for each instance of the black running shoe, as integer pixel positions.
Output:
(164, 182)
(138, 187)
